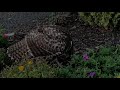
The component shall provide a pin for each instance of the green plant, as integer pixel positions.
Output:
(104, 63)
(2, 30)
(4, 60)
(26, 70)
(102, 19)
(3, 42)
(2, 57)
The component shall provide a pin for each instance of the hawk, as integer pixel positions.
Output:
(45, 41)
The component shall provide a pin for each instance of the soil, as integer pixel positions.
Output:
(85, 36)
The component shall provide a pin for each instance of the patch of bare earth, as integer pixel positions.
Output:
(85, 36)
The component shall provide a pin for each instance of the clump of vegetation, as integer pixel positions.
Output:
(102, 19)
(103, 63)
(28, 69)
(4, 59)
(3, 42)
(2, 30)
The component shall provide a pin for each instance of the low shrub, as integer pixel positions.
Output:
(3, 42)
(101, 63)
(101, 19)
(28, 69)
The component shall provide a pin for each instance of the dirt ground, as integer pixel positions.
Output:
(85, 36)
